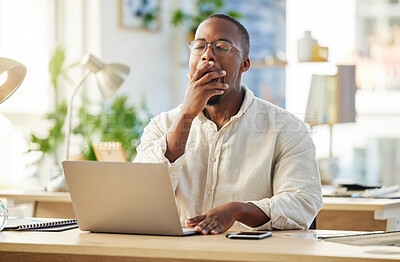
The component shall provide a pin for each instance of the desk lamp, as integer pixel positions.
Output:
(332, 101)
(109, 78)
(12, 74)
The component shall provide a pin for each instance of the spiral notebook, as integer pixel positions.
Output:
(40, 224)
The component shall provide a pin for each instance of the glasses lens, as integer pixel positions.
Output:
(222, 47)
(197, 47)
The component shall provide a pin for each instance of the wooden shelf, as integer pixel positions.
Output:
(262, 64)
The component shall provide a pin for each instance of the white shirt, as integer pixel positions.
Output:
(263, 155)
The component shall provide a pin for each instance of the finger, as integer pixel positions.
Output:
(193, 221)
(189, 75)
(214, 92)
(211, 226)
(200, 227)
(215, 86)
(202, 69)
(211, 75)
(218, 229)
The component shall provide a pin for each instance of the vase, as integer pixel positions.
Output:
(305, 47)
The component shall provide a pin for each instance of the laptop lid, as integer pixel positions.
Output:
(122, 197)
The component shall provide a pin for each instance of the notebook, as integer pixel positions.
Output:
(123, 197)
(40, 224)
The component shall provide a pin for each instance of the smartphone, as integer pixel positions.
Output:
(249, 235)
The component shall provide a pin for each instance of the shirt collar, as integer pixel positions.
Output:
(247, 101)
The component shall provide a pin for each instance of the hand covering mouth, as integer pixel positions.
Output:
(218, 79)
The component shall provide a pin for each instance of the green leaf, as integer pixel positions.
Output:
(204, 8)
(235, 14)
(56, 64)
(178, 17)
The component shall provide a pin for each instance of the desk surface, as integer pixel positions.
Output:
(359, 204)
(76, 245)
(24, 195)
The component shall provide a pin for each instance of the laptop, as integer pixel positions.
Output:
(118, 197)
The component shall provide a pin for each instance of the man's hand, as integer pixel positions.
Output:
(221, 218)
(216, 220)
(201, 88)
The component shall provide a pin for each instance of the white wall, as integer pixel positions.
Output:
(155, 58)
(333, 24)
(25, 35)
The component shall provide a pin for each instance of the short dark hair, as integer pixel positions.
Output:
(244, 35)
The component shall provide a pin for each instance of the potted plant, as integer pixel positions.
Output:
(118, 123)
(203, 9)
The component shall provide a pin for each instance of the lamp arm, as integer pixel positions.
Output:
(69, 115)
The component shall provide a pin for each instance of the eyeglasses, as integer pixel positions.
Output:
(221, 47)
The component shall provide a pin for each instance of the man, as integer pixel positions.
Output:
(232, 156)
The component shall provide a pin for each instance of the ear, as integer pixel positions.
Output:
(245, 65)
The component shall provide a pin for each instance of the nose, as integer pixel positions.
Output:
(208, 55)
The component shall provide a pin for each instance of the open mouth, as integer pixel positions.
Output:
(218, 80)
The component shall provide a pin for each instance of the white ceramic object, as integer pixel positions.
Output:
(305, 47)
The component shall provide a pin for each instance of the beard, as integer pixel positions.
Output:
(214, 100)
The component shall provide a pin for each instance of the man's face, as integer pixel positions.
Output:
(210, 31)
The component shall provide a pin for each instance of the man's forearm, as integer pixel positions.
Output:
(250, 215)
(177, 137)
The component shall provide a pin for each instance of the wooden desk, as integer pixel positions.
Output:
(76, 245)
(337, 213)
(363, 214)
(46, 204)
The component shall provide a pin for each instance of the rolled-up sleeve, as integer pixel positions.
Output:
(153, 145)
(297, 196)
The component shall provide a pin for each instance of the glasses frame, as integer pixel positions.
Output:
(213, 46)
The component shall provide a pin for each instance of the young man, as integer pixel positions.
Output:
(232, 156)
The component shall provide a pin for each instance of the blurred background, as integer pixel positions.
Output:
(333, 63)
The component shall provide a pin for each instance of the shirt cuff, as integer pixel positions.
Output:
(160, 147)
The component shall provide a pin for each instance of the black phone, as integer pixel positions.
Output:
(249, 235)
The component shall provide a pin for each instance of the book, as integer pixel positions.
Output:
(40, 224)
(379, 238)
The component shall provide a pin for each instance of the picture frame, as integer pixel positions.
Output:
(109, 151)
(139, 14)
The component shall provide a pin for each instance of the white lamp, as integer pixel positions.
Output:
(332, 101)
(12, 74)
(109, 78)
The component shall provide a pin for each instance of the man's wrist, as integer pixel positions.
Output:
(187, 116)
(240, 210)
(249, 214)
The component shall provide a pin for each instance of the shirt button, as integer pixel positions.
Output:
(209, 192)
(213, 159)
(313, 178)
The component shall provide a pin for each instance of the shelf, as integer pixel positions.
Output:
(262, 64)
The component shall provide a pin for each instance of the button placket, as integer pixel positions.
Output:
(211, 131)
(215, 152)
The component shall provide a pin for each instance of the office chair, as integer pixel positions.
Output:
(313, 225)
